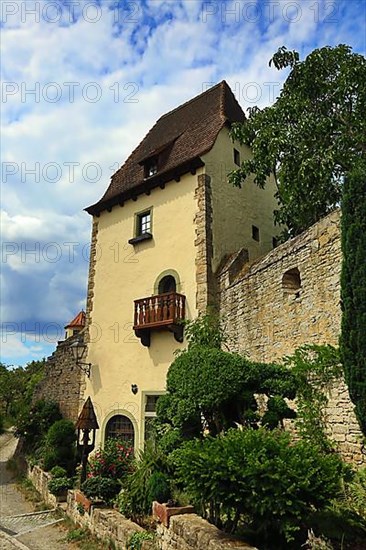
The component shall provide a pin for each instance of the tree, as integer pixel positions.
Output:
(311, 137)
(17, 387)
(210, 390)
(353, 338)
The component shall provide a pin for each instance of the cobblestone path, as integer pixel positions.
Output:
(20, 526)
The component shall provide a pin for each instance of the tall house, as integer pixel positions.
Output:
(164, 225)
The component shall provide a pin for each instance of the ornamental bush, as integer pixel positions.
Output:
(58, 471)
(113, 461)
(60, 485)
(259, 476)
(147, 482)
(60, 446)
(210, 390)
(100, 487)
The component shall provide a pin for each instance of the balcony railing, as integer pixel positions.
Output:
(162, 311)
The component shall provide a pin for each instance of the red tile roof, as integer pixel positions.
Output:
(180, 137)
(78, 321)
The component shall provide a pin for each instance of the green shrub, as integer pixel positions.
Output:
(136, 539)
(210, 390)
(135, 499)
(316, 369)
(60, 446)
(113, 461)
(59, 485)
(259, 475)
(158, 487)
(49, 459)
(34, 422)
(58, 471)
(103, 488)
(1, 423)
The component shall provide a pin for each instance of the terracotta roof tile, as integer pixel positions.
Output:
(78, 321)
(180, 137)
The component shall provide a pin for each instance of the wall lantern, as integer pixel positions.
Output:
(86, 426)
(134, 388)
(78, 350)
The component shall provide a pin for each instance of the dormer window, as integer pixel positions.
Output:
(151, 167)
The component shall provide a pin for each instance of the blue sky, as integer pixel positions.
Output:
(83, 81)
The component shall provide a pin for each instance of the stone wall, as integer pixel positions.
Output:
(269, 314)
(205, 281)
(191, 532)
(91, 276)
(105, 523)
(63, 381)
(40, 480)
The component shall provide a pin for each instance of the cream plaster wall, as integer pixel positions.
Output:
(124, 273)
(236, 210)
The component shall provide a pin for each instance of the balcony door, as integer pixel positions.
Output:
(167, 284)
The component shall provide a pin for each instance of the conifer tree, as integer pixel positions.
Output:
(353, 288)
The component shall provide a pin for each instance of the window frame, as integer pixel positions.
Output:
(151, 165)
(115, 418)
(256, 233)
(148, 414)
(140, 236)
(236, 155)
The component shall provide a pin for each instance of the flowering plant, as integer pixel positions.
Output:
(114, 461)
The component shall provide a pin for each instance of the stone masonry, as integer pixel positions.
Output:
(289, 298)
(63, 381)
(205, 280)
(90, 291)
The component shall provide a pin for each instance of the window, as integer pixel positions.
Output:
(143, 223)
(236, 157)
(291, 282)
(150, 414)
(120, 427)
(255, 233)
(151, 167)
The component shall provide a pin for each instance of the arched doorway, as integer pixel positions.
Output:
(167, 284)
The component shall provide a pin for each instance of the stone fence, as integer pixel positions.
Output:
(40, 480)
(179, 532)
(191, 532)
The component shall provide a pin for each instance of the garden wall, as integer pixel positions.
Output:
(185, 532)
(191, 532)
(40, 480)
(288, 298)
(105, 523)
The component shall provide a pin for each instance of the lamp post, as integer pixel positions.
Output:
(86, 426)
(78, 350)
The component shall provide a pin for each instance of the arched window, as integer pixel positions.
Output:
(291, 282)
(120, 427)
(167, 284)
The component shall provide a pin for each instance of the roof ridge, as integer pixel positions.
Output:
(193, 99)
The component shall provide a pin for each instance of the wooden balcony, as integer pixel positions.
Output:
(162, 311)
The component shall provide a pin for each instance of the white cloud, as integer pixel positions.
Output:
(144, 59)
